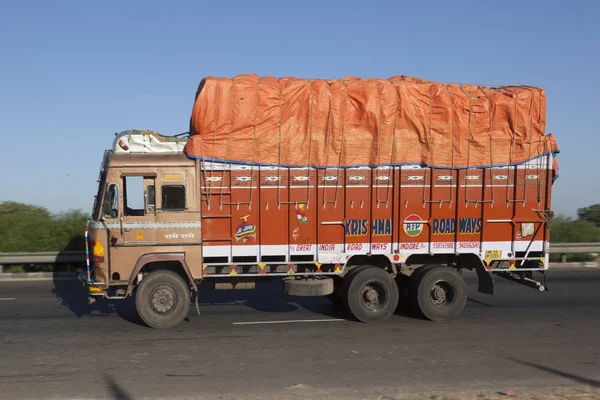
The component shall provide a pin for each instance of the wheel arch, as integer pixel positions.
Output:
(375, 260)
(156, 261)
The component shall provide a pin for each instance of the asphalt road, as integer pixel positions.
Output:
(53, 345)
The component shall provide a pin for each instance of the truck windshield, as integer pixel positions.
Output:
(110, 209)
(101, 185)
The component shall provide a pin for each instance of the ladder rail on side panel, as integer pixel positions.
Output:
(252, 163)
(483, 170)
(377, 180)
(308, 161)
(444, 178)
(339, 172)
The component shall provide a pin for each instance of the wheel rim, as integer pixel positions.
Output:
(442, 294)
(164, 300)
(373, 296)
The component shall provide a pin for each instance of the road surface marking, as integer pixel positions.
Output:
(7, 298)
(289, 321)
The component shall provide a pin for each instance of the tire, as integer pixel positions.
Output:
(370, 294)
(321, 286)
(341, 290)
(335, 297)
(162, 299)
(405, 288)
(439, 293)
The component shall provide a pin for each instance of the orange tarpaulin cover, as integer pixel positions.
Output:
(366, 122)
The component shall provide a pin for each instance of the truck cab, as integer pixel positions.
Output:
(146, 217)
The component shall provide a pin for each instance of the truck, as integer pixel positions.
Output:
(376, 193)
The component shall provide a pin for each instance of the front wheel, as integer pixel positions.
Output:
(162, 299)
(370, 295)
(439, 293)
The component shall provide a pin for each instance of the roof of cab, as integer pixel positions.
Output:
(150, 159)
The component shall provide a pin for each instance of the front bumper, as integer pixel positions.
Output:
(93, 288)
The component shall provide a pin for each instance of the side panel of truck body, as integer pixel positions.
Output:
(268, 215)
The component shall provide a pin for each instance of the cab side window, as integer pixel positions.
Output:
(133, 199)
(110, 208)
(150, 200)
(173, 197)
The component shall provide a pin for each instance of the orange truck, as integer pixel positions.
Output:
(367, 191)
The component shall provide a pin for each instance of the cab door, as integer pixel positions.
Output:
(139, 209)
(129, 217)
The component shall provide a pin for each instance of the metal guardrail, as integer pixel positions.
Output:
(65, 257)
(574, 248)
(42, 257)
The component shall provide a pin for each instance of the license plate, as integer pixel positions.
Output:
(492, 254)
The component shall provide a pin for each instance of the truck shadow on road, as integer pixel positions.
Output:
(73, 295)
(268, 297)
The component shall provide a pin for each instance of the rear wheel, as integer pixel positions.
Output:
(335, 297)
(405, 286)
(439, 293)
(162, 299)
(370, 294)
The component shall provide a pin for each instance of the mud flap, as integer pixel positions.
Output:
(486, 281)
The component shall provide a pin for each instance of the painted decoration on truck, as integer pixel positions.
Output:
(245, 232)
(302, 230)
(176, 235)
(381, 227)
(527, 229)
(357, 227)
(412, 225)
(360, 227)
(466, 226)
(301, 214)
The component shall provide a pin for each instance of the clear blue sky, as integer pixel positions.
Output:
(74, 72)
